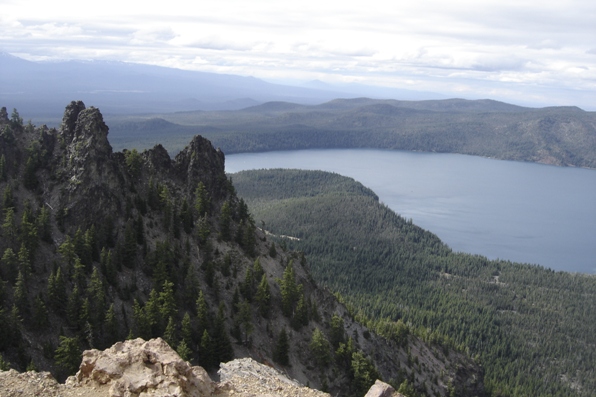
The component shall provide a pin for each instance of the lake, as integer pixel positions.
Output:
(523, 212)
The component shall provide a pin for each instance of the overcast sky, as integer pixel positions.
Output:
(539, 52)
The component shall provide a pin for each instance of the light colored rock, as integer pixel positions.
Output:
(137, 367)
(382, 389)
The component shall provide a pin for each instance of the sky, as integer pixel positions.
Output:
(538, 52)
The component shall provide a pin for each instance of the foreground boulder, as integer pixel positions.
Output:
(136, 367)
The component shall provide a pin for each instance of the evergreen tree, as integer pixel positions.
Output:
(244, 320)
(4, 365)
(282, 349)
(9, 227)
(364, 373)
(319, 346)
(184, 351)
(202, 230)
(289, 290)
(167, 301)
(3, 173)
(272, 250)
(142, 326)
(186, 217)
(222, 351)
(8, 198)
(186, 330)
(247, 287)
(110, 327)
(57, 291)
(40, 314)
(170, 334)
(68, 354)
(207, 357)
(202, 202)
(20, 294)
(10, 263)
(225, 221)
(44, 226)
(263, 296)
(336, 334)
(67, 250)
(97, 297)
(153, 315)
(300, 317)
(202, 314)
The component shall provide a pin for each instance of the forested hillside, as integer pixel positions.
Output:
(97, 246)
(558, 135)
(531, 327)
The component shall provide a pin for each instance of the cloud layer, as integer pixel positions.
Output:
(533, 52)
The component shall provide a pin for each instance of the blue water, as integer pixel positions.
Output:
(522, 212)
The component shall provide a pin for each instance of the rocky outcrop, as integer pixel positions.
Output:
(382, 389)
(138, 368)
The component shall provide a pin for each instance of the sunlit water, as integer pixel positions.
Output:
(517, 211)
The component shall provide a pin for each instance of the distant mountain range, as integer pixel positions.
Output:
(40, 89)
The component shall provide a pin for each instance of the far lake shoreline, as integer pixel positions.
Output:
(519, 211)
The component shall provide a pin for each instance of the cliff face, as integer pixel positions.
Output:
(99, 246)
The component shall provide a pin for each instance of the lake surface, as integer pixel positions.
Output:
(522, 212)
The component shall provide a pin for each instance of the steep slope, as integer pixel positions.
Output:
(532, 328)
(98, 246)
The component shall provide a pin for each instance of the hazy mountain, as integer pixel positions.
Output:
(42, 88)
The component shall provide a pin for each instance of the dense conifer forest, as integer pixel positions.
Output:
(531, 328)
(97, 246)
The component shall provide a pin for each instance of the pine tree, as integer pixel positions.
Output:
(336, 334)
(225, 220)
(40, 314)
(223, 351)
(263, 296)
(153, 315)
(170, 334)
(10, 263)
(202, 203)
(44, 226)
(57, 291)
(186, 330)
(97, 296)
(110, 327)
(9, 227)
(319, 347)
(289, 290)
(202, 314)
(184, 351)
(20, 294)
(3, 173)
(282, 349)
(206, 351)
(300, 317)
(244, 320)
(67, 354)
(364, 373)
(142, 327)
(167, 301)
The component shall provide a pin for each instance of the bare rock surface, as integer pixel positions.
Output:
(382, 389)
(138, 368)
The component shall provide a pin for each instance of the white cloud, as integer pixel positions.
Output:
(457, 46)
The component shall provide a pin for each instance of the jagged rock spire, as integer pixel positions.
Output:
(69, 120)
